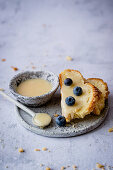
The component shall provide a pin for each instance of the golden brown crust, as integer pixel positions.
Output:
(101, 103)
(104, 83)
(60, 79)
(68, 119)
(96, 97)
(68, 70)
(96, 93)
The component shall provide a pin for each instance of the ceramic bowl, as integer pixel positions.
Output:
(37, 100)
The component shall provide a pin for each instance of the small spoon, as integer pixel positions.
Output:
(40, 119)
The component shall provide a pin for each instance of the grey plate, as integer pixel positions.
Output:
(82, 126)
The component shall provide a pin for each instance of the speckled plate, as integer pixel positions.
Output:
(77, 127)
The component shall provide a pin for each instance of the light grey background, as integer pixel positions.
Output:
(45, 32)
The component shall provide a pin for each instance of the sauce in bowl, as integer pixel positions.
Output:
(34, 87)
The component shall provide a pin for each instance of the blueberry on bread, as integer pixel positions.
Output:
(68, 82)
(77, 91)
(87, 96)
(70, 101)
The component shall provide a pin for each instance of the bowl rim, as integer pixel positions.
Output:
(34, 72)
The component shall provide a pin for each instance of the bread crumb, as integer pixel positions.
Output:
(44, 149)
(7, 167)
(41, 164)
(62, 168)
(56, 115)
(47, 168)
(69, 58)
(74, 167)
(110, 129)
(3, 59)
(1, 89)
(20, 150)
(44, 65)
(14, 68)
(49, 151)
(37, 149)
(99, 166)
(33, 67)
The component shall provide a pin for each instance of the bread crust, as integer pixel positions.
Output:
(96, 93)
(95, 99)
(104, 83)
(68, 70)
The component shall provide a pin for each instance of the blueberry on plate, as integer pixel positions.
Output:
(70, 101)
(68, 82)
(61, 121)
(77, 91)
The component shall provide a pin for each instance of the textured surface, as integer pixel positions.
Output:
(38, 100)
(44, 33)
(75, 128)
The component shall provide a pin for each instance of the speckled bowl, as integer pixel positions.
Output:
(38, 100)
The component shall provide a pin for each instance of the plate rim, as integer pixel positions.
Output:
(62, 134)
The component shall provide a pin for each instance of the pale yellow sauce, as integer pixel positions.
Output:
(79, 109)
(34, 87)
(42, 119)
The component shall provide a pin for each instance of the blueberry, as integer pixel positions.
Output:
(77, 91)
(61, 121)
(70, 101)
(68, 82)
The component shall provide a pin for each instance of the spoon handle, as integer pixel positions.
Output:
(17, 103)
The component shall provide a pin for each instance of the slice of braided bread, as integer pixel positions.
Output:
(102, 86)
(85, 103)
